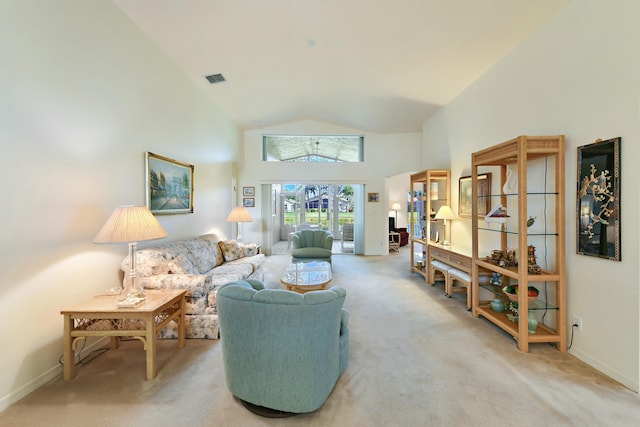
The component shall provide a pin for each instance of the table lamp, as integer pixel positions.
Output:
(445, 213)
(396, 207)
(131, 224)
(239, 214)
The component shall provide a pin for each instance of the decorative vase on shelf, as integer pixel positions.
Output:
(533, 322)
(497, 305)
(511, 183)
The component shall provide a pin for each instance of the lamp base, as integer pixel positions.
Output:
(129, 301)
(445, 243)
(131, 296)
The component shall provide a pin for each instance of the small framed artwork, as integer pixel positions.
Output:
(465, 197)
(598, 202)
(496, 279)
(249, 202)
(373, 197)
(169, 185)
(248, 191)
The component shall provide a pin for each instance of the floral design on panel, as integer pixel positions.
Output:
(598, 186)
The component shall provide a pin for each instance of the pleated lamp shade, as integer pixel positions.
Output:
(239, 214)
(130, 224)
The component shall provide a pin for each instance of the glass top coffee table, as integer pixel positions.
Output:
(303, 277)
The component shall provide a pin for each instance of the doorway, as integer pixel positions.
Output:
(326, 206)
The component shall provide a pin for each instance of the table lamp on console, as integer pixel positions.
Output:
(396, 207)
(239, 214)
(445, 213)
(130, 224)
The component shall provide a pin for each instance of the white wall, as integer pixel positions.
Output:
(578, 76)
(84, 95)
(385, 155)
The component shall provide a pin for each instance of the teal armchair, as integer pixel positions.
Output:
(282, 351)
(308, 245)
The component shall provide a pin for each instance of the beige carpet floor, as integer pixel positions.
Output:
(417, 359)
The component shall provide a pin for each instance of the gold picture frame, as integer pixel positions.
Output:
(464, 195)
(169, 185)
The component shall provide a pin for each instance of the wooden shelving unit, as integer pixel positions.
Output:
(430, 189)
(532, 156)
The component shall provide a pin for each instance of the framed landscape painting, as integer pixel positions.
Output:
(169, 185)
(465, 199)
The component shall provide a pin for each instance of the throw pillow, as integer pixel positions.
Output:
(250, 249)
(231, 250)
(219, 256)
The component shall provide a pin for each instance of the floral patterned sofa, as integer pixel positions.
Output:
(200, 265)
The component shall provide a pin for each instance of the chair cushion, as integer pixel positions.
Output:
(440, 265)
(212, 241)
(311, 252)
(458, 274)
(200, 251)
(182, 265)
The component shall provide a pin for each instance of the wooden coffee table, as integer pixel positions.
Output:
(303, 277)
(101, 317)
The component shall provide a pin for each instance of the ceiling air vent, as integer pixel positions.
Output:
(215, 78)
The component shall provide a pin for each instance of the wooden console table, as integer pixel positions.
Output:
(100, 316)
(454, 263)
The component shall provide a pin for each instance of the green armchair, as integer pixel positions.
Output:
(282, 351)
(308, 245)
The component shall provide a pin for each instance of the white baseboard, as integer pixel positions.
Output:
(46, 377)
(29, 387)
(630, 383)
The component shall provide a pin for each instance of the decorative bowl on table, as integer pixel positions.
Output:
(511, 291)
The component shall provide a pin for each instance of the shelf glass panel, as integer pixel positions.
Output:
(536, 304)
(533, 193)
(515, 232)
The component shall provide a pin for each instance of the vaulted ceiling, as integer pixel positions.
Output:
(379, 66)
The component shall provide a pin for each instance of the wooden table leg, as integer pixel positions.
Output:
(69, 356)
(151, 346)
(181, 325)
